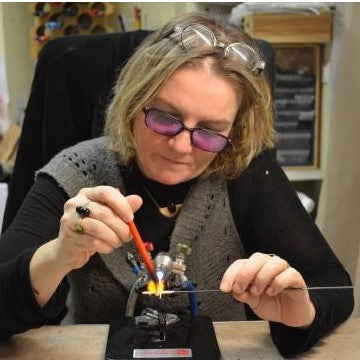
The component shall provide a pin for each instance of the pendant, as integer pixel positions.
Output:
(170, 211)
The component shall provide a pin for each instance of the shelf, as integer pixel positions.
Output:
(297, 105)
(62, 19)
(290, 28)
(304, 175)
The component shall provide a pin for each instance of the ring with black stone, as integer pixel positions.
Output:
(83, 211)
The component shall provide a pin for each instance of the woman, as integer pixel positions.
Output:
(186, 156)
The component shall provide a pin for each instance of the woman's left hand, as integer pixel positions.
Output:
(261, 281)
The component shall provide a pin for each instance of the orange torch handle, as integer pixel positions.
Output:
(142, 250)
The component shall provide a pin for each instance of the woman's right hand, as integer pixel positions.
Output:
(105, 228)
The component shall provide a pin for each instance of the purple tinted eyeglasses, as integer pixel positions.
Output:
(168, 125)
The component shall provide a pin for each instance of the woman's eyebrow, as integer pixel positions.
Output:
(171, 107)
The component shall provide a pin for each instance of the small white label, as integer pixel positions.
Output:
(162, 353)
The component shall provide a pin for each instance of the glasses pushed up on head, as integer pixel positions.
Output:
(195, 36)
(168, 125)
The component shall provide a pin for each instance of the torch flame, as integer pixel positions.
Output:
(156, 288)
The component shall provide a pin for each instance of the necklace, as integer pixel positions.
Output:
(168, 211)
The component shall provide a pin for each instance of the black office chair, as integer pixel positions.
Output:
(71, 88)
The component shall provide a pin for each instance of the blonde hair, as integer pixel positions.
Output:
(156, 59)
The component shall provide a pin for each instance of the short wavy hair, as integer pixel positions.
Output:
(157, 58)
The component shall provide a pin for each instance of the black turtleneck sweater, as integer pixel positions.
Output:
(269, 219)
(152, 225)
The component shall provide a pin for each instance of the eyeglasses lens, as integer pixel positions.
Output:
(208, 141)
(196, 36)
(241, 53)
(162, 123)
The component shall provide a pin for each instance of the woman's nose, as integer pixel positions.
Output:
(181, 142)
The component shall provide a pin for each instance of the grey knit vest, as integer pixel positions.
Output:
(100, 289)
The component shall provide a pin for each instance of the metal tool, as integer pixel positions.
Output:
(168, 292)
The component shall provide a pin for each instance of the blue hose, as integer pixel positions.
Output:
(193, 298)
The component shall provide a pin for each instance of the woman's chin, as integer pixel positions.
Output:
(170, 178)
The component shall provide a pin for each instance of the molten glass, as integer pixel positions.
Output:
(155, 288)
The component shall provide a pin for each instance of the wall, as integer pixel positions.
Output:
(155, 14)
(1, 30)
(14, 27)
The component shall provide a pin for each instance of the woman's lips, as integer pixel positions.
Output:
(175, 162)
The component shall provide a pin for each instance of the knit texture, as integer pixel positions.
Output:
(100, 288)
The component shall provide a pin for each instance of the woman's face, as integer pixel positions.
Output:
(200, 99)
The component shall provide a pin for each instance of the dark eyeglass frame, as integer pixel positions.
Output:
(256, 69)
(183, 127)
